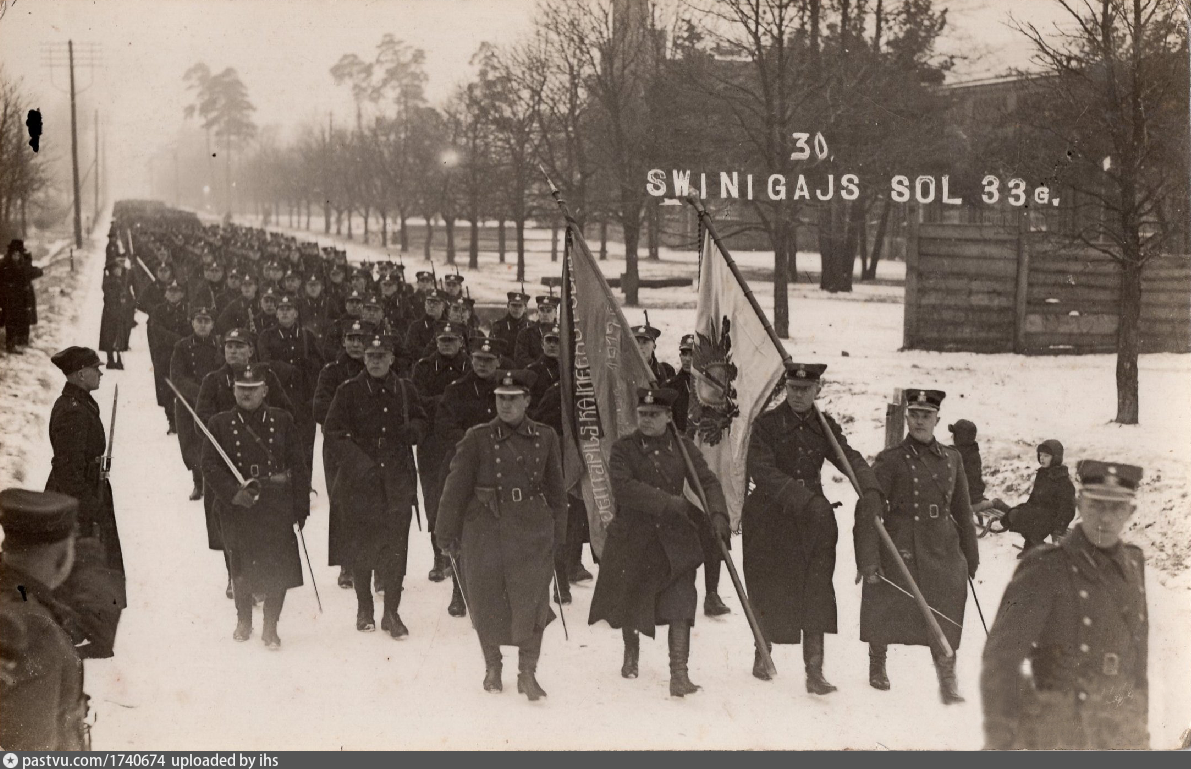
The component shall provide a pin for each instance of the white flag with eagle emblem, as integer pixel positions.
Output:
(735, 372)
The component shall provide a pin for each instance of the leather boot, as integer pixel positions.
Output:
(457, 608)
(713, 606)
(759, 670)
(365, 608)
(877, 677)
(272, 610)
(229, 593)
(581, 574)
(680, 652)
(345, 578)
(527, 666)
(948, 684)
(632, 653)
(493, 668)
(442, 565)
(243, 629)
(197, 492)
(812, 657)
(562, 592)
(391, 620)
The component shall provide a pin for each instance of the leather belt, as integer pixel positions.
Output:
(518, 493)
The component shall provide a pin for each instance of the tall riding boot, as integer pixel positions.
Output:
(948, 684)
(877, 677)
(230, 593)
(243, 614)
(441, 567)
(272, 609)
(562, 589)
(632, 653)
(759, 670)
(197, 492)
(527, 666)
(680, 652)
(492, 667)
(391, 620)
(812, 657)
(111, 363)
(458, 607)
(713, 605)
(365, 609)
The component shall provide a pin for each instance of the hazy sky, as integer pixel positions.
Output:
(283, 50)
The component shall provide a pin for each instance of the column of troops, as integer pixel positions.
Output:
(256, 340)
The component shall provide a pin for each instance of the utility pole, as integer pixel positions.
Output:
(96, 217)
(52, 58)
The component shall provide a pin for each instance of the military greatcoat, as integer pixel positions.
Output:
(788, 525)
(929, 518)
(431, 375)
(192, 359)
(505, 504)
(1078, 613)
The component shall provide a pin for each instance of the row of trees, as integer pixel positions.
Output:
(24, 174)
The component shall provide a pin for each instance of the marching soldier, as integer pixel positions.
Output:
(647, 339)
(546, 367)
(507, 328)
(191, 360)
(258, 516)
(207, 290)
(453, 287)
(466, 402)
(79, 442)
(269, 300)
(41, 683)
(119, 306)
(502, 513)
(929, 518)
(242, 312)
(647, 575)
(681, 382)
(353, 304)
(421, 332)
(168, 323)
(529, 339)
(431, 375)
(788, 525)
(314, 307)
(374, 421)
(1077, 611)
(347, 366)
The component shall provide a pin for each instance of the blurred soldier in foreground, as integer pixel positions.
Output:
(502, 513)
(41, 675)
(1077, 612)
(789, 525)
(647, 574)
(258, 516)
(929, 519)
(374, 421)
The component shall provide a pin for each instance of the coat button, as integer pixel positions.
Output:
(1083, 594)
(915, 517)
(1087, 621)
(1085, 648)
(1083, 696)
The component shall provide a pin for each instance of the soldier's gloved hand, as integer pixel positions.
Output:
(723, 529)
(972, 569)
(247, 495)
(451, 549)
(870, 574)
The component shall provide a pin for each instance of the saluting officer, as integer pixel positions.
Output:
(503, 511)
(529, 339)
(647, 339)
(788, 525)
(258, 516)
(929, 518)
(467, 402)
(193, 358)
(431, 375)
(41, 678)
(647, 573)
(1077, 611)
(375, 420)
(507, 328)
(79, 442)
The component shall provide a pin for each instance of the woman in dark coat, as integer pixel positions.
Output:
(119, 305)
(18, 305)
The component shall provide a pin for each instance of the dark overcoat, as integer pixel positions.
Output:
(505, 504)
(431, 375)
(16, 286)
(466, 402)
(374, 425)
(788, 525)
(529, 344)
(507, 328)
(192, 359)
(168, 324)
(261, 546)
(1078, 613)
(653, 541)
(79, 442)
(298, 348)
(929, 518)
(119, 305)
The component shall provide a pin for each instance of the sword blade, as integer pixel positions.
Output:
(199, 423)
(902, 590)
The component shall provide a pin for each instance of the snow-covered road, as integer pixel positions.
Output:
(179, 680)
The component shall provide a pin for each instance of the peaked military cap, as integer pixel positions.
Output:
(314, 277)
(516, 382)
(201, 312)
(646, 331)
(444, 329)
(924, 399)
(686, 343)
(554, 332)
(389, 278)
(250, 376)
(372, 301)
(174, 286)
(517, 296)
(453, 279)
(74, 359)
(271, 294)
(546, 301)
(337, 268)
(354, 296)
(1108, 480)
(436, 296)
(424, 275)
(656, 396)
(805, 372)
(36, 517)
(248, 278)
(286, 301)
(378, 343)
(486, 345)
(357, 328)
(237, 336)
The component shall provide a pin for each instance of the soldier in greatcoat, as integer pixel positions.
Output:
(431, 375)
(466, 402)
(169, 322)
(788, 525)
(529, 339)
(119, 306)
(647, 340)
(507, 328)
(17, 274)
(502, 513)
(193, 357)
(929, 518)
(1077, 612)
(258, 516)
(374, 421)
(421, 331)
(347, 366)
(647, 572)
(681, 381)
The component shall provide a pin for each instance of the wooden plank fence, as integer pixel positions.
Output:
(991, 288)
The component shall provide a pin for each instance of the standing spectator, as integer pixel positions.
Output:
(17, 303)
(119, 304)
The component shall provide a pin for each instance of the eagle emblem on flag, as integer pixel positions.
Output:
(714, 406)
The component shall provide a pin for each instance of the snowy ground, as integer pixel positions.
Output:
(179, 680)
